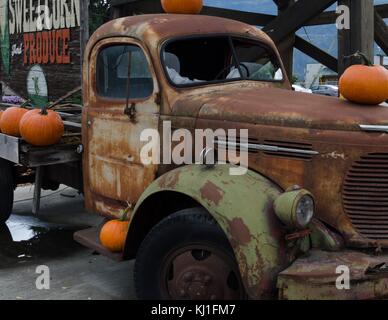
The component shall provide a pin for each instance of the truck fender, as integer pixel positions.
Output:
(243, 208)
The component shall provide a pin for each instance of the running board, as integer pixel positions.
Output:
(90, 238)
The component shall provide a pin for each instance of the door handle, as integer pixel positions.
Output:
(130, 111)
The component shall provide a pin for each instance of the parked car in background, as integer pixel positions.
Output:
(326, 90)
(300, 88)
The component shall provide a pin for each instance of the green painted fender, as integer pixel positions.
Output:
(243, 207)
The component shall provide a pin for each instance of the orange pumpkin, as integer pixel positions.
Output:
(182, 6)
(10, 119)
(113, 235)
(364, 84)
(1, 113)
(41, 127)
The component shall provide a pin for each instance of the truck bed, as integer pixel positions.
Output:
(19, 151)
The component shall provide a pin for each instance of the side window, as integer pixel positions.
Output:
(121, 71)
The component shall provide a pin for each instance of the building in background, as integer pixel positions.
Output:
(40, 49)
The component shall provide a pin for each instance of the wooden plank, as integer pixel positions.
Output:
(316, 53)
(381, 32)
(49, 156)
(293, 18)
(90, 239)
(72, 124)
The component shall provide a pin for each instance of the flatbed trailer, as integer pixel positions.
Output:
(45, 167)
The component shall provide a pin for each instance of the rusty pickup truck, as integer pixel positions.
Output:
(307, 220)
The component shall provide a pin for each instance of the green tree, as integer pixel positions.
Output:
(98, 13)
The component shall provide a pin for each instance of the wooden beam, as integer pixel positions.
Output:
(362, 27)
(257, 19)
(316, 53)
(381, 32)
(286, 45)
(84, 31)
(296, 16)
(330, 17)
(152, 6)
(360, 37)
(343, 44)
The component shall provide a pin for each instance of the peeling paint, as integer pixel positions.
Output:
(212, 193)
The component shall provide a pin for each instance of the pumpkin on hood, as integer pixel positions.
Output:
(10, 120)
(364, 84)
(41, 127)
(182, 6)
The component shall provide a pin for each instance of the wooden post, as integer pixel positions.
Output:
(360, 37)
(84, 29)
(286, 46)
(37, 190)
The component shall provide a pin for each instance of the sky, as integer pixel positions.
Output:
(324, 37)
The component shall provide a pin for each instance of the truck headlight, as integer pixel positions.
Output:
(295, 208)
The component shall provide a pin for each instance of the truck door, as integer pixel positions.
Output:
(121, 102)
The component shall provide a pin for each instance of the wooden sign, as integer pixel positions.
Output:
(40, 47)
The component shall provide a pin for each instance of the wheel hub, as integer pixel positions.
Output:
(202, 274)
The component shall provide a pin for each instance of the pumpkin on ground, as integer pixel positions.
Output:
(41, 127)
(10, 119)
(365, 84)
(114, 233)
(182, 6)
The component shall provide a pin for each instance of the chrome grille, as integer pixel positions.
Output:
(365, 195)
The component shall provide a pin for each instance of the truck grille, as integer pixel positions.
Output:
(365, 195)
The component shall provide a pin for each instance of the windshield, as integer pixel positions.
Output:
(198, 61)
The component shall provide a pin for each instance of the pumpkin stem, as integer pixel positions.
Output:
(362, 56)
(43, 110)
(125, 212)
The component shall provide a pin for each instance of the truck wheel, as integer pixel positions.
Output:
(6, 190)
(187, 257)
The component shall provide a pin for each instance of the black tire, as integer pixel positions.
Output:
(6, 190)
(187, 256)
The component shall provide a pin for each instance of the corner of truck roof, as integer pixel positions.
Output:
(157, 27)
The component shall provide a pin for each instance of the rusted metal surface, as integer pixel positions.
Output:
(242, 206)
(314, 276)
(277, 107)
(113, 169)
(324, 238)
(365, 195)
(201, 273)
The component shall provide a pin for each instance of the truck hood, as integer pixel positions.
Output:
(280, 107)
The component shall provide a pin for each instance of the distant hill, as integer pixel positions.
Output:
(324, 37)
